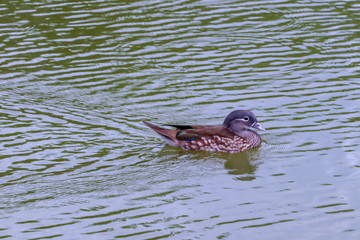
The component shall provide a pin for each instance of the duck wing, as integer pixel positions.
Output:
(189, 134)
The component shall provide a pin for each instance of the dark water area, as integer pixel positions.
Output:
(77, 78)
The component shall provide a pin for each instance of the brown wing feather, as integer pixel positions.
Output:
(204, 131)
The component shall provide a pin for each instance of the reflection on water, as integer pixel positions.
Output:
(77, 79)
(243, 164)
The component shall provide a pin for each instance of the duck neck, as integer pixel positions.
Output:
(245, 132)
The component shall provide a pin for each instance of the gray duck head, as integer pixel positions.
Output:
(241, 120)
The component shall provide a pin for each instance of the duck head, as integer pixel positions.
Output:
(241, 119)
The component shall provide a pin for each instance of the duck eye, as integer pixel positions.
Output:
(246, 118)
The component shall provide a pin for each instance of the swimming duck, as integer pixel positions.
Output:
(234, 135)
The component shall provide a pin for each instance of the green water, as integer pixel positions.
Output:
(77, 78)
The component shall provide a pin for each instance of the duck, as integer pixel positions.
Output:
(236, 134)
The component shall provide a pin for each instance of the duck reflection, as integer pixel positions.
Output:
(243, 164)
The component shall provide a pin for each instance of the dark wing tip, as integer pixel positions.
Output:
(181, 127)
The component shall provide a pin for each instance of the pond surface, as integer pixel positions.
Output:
(77, 78)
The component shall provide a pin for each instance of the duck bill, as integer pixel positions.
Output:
(258, 126)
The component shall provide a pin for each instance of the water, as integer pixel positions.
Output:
(77, 78)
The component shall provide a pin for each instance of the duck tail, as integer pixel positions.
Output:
(169, 135)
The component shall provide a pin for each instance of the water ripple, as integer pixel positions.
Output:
(77, 78)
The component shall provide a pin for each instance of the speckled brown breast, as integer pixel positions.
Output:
(217, 143)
